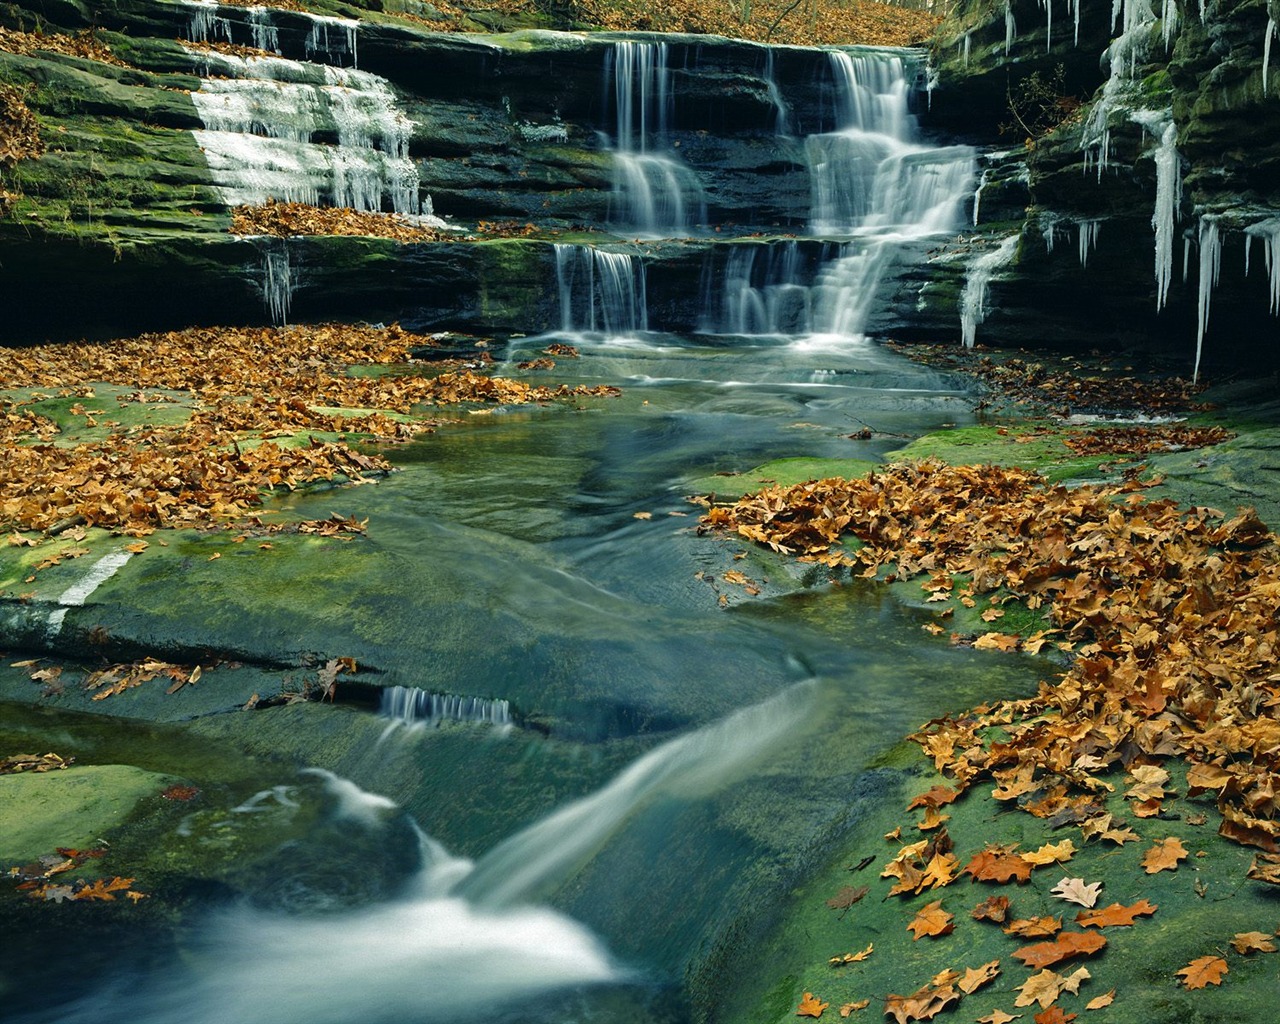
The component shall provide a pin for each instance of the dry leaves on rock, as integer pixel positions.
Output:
(246, 387)
(1064, 947)
(811, 1006)
(1170, 614)
(84, 44)
(1164, 856)
(932, 920)
(15, 763)
(19, 130)
(1116, 915)
(285, 220)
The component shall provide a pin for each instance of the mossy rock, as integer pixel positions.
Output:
(778, 473)
(72, 807)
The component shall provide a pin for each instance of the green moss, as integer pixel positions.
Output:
(779, 472)
(72, 807)
(1030, 446)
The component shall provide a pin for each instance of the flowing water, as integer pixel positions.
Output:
(599, 763)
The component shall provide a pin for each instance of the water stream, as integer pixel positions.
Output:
(612, 760)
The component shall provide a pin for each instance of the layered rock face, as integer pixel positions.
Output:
(1151, 209)
(1121, 143)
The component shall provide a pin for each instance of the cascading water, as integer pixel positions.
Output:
(464, 937)
(600, 292)
(263, 126)
(329, 40)
(654, 193)
(409, 705)
(872, 181)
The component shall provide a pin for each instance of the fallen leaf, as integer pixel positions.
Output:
(642, 515)
(998, 864)
(1051, 853)
(811, 1006)
(1098, 1002)
(847, 897)
(994, 908)
(1035, 927)
(1074, 890)
(849, 1008)
(1253, 942)
(998, 1017)
(1116, 915)
(1064, 947)
(852, 958)
(1164, 856)
(1206, 970)
(1054, 1015)
(975, 977)
(932, 920)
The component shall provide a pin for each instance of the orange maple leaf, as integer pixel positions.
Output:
(811, 1006)
(998, 864)
(1206, 970)
(1065, 946)
(1116, 915)
(1035, 927)
(994, 908)
(1054, 1015)
(932, 920)
(1164, 856)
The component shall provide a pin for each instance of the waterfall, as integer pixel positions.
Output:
(408, 705)
(329, 40)
(600, 291)
(527, 865)
(973, 301)
(654, 192)
(263, 127)
(277, 283)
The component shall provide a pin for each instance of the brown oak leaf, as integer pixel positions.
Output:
(1205, 970)
(932, 920)
(1116, 915)
(811, 1006)
(1164, 856)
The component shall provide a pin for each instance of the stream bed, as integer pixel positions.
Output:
(637, 758)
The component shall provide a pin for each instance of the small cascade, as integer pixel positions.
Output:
(333, 40)
(763, 290)
(973, 301)
(264, 33)
(206, 24)
(1210, 269)
(277, 283)
(869, 173)
(654, 193)
(409, 705)
(528, 864)
(267, 127)
(781, 112)
(600, 292)
(329, 40)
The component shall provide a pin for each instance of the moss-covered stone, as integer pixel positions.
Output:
(73, 807)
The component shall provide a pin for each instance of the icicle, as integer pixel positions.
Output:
(973, 301)
(1168, 198)
(1186, 258)
(1048, 24)
(1248, 247)
(1169, 21)
(1088, 239)
(1210, 268)
(1266, 51)
(1010, 27)
(264, 34)
(1075, 12)
(1269, 232)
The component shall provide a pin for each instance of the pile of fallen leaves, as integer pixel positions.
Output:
(246, 387)
(1036, 384)
(19, 130)
(84, 44)
(37, 878)
(38, 763)
(279, 5)
(1137, 440)
(1170, 613)
(287, 219)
